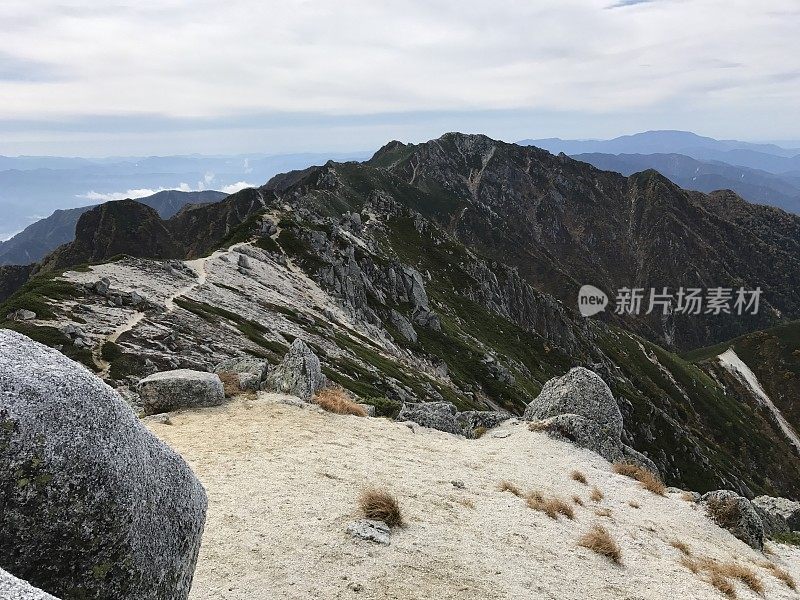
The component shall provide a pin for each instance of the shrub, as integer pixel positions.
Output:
(230, 383)
(384, 407)
(336, 400)
(599, 540)
(507, 486)
(578, 476)
(110, 351)
(552, 507)
(596, 495)
(649, 480)
(380, 505)
(792, 538)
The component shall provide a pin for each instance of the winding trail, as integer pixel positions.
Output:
(197, 265)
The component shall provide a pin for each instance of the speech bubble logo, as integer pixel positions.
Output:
(591, 300)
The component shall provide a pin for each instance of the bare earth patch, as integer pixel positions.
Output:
(283, 483)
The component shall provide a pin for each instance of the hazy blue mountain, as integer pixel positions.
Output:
(753, 185)
(767, 157)
(33, 187)
(44, 236)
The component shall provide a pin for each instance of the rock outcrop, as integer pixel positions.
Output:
(299, 374)
(94, 506)
(251, 370)
(778, 515)
(12, 588)
(579, 407)
(371, 531)
(436, 415)
(182, 388)
(736, 514)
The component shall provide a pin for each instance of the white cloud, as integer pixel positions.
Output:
(144, 192)
(204, 58)
(235, 187)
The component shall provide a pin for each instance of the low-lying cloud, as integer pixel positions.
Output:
(145, 192)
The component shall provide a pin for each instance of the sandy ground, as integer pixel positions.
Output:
(283, 483)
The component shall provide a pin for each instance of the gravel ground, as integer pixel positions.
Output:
(283, 484)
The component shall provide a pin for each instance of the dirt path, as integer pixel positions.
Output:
(197, 265)
(283, 482)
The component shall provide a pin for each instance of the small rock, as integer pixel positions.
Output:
(181, 388)
(368, 408)
(299, 374)
(436, 415)
(371, 531)
(735, 513)
(22, 315)
(12, 588)
(779, 515)
(458, 484)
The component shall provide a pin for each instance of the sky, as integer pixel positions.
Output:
(98, 78)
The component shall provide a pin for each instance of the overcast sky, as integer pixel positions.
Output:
(92, 78)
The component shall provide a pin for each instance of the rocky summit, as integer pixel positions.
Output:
(435, 287)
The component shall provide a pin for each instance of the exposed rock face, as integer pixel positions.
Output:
(299, 374)
(12, 278)
(251, 370)
(94, 506)
(371, 531)
(470, 420)
(436, 415)
(182, 388)
(12, 588)
(581, 392)
(736, 514)
(779, 515)
(579, 407)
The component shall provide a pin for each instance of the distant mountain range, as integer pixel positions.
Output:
(760, 173)
(42, 237)
(32, 187)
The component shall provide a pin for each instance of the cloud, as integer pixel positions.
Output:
(194, 67)
(624, 3)
(236, 187)
(145, 192)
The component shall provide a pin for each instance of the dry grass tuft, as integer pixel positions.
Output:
(230, 383)
(744, 574)
(552, 507)
(690, 564)
(577, 500)
(634, 504)
(479, 432)
(467, 502)
(578, 476)
(380, 505)
(336, 400)
(538, 426)
(682, 546)
(723, 584)
(599, 540)
(596, 495)
(507, 486)
(688, 496)
(603, 512)
(649, 480)
(783, 575)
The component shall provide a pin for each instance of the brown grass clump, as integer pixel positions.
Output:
(467, 502)
(602, 512)
(649, 480)
(578, 476)
(552, 507)
(479, 432)
(577, 500)
(743, 573)
(336, 400)
(690, 564)
(688, 496)
(230, 383)
(682, 546)
(380, 505)
(538, 426)
(507, 486)
(596, 495)
(634, 504)
(599, 540)
(783, 575)
(723, 584)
